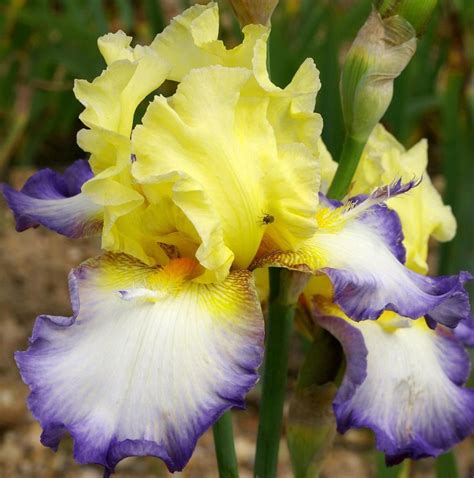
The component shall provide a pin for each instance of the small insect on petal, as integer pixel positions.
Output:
(267, 219)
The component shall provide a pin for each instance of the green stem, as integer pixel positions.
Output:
(446, 466)
(350, 156)
(224, 445)
(280, 321)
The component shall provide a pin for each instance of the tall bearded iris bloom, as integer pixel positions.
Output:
(404, 378)
(219, 178)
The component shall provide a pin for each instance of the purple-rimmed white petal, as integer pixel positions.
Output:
(142, 373)
(55, 201)
(362, 254)
(405, 382)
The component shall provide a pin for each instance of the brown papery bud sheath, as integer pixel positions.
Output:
(254, 11)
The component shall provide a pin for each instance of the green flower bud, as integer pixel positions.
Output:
(311, 428)
(254, 11)
(379, 53)
(417, 12)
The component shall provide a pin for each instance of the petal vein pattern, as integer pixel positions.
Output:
(360, 252)
(213, 133)
(146, 364)
(417, 406)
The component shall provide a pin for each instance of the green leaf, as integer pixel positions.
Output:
(446, 466)
(126, 13)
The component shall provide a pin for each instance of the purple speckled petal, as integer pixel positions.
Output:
(146, 375)
(55, 201)
(405, 382)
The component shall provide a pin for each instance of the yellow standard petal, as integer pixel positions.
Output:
(111, 99)
(191, 41)
(422, 211)
(218, 142)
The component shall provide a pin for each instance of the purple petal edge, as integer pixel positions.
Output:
(379, 217)
(445, 299)
(389, 227)
(118, 450)
(418, 447)
(464, 331)
(53, 200)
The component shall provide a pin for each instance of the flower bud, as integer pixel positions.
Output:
(417, 12)
(254, 11)
(379, 53)
(311, 428)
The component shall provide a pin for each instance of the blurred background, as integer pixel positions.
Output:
(45, 45)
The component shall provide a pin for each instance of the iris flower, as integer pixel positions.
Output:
(219, 178)
(404, 378)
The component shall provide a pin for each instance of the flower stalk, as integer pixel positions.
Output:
(224, 446)
(380, 52)
(351, 153)
(285, 287)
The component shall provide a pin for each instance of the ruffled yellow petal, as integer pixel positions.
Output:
(190, 41)
(124, 208)
(231, 157)
(101, 97)
(115, 47)
(111, 99)
(290, 109)
(422, 211)
(234, 182)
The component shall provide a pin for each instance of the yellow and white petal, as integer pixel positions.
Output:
(404, 381)
(422, 211)
(148, 361)
(362, 254)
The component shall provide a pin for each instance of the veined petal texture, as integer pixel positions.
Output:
(148, 361)
(213, 133)
(404, 381)
(362, 256)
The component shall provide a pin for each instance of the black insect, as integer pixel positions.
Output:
(267, 219)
